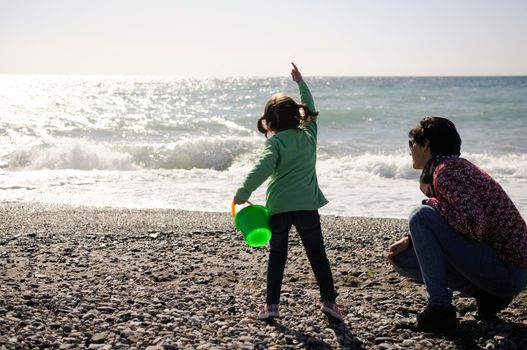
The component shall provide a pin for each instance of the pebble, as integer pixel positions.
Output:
(99, 337)
(408, 342)
(168, 279)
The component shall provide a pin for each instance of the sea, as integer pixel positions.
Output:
(161, 142)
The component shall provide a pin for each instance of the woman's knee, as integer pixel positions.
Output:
(407, 265)
(422, 216)
(422, 212)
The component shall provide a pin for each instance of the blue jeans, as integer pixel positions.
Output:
(445, 260)
(307, 224)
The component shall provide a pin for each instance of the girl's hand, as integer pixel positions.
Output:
(237, 201)
(295, 74)
(396, 248)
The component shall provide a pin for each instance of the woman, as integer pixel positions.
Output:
(467, 235)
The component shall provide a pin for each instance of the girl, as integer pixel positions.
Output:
(293, 195)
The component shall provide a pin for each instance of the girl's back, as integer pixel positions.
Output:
(294, 184)
(289, 157)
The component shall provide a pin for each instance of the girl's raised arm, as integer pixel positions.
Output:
(295, 74)
(305, 94)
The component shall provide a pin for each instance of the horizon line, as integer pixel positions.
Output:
(259, 76)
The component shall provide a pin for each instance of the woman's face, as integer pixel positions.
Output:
(420, 153)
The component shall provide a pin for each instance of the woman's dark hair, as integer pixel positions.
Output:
(282, 113)
(441, 134)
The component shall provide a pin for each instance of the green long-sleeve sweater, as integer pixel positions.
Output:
(289, 157)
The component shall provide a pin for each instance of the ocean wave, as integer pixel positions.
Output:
(506, 166)
(215, 153)
(399, 166)
(369, 164)
(78, 154)
(222, 153)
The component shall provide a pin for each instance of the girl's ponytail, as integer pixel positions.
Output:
(261, 127)
(307, 115)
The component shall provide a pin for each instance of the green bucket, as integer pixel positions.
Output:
(253, 222)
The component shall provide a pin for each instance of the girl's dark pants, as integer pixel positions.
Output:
(307, 224)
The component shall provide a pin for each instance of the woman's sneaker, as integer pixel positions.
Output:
(268, 312)
(436, 318)
(332, 311)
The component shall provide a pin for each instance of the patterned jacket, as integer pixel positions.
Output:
(475, 205)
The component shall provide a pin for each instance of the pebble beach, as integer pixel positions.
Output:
(100, 278)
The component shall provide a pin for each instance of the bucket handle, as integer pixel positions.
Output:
(233, 208)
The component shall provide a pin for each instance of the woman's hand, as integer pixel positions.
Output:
(237, 201)
(396, 248)
(295, 74)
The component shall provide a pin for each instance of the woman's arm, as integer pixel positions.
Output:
(457, 200)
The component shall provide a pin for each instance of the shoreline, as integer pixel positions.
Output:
(104, 278)
(226, 212)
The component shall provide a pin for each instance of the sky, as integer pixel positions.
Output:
(218, 38)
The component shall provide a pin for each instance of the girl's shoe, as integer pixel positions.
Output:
(268, 311)
(332, 311)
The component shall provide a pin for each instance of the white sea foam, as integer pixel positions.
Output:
(399, 166)
(351, 192)
(78, 154)
(216, 153)
(222, 153)
(503, 166)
